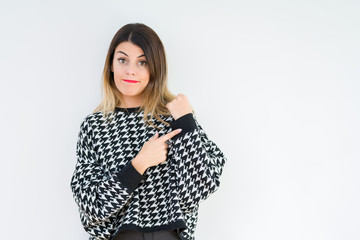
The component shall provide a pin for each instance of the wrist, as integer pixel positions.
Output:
(139, 165)
(182, 114)
(186, 123)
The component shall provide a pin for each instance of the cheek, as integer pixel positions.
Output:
(118, 74)
(146, 75)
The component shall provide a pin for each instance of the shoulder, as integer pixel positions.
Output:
(92, 117)
(93, 120)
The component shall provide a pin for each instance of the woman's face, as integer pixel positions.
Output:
(131, 72)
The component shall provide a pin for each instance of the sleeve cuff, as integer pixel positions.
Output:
(186, 123)
(129, 177)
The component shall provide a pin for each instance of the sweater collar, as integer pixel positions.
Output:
(130, 110)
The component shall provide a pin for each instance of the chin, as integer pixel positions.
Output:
(129, 94)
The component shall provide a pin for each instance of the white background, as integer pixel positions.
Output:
(274, 83)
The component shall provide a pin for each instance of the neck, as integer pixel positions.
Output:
(131, 102)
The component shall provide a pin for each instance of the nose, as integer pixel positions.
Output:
(130, 70)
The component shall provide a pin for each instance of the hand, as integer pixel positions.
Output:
(179, 106)
(153, 152)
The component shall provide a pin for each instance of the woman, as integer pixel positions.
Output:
(143, 161)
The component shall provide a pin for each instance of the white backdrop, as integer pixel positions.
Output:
(274, 83)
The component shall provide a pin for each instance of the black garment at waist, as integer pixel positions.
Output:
(134, 235)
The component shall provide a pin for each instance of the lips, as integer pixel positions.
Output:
(130, 81)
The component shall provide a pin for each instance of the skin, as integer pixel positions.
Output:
(130, 63)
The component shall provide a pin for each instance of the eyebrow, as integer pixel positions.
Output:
(143, 55)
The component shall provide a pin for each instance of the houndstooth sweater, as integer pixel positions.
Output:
(112, 196)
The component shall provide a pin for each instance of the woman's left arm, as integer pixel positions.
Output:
(195, 159)
(197, 162)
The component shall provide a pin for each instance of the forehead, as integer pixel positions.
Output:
(129, 48)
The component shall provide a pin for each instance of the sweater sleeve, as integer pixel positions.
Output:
(99, 195)
(197, 161)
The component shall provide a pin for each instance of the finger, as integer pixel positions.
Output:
(165, 154)
(169, 135)
(155, 136)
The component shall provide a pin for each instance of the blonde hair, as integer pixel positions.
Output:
(156, 93)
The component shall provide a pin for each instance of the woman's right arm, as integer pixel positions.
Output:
(98, 195)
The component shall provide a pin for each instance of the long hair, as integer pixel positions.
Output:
(156, 93)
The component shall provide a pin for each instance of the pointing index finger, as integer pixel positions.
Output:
(169, 135)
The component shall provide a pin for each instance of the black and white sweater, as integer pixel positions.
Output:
(112, 196)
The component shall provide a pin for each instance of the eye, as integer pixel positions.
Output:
(143, 63)
(121, 60)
